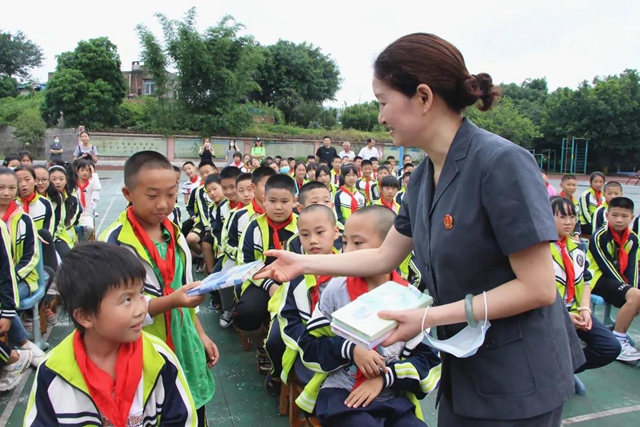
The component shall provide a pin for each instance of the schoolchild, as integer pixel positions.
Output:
(390, 187)
(367, 184)
(348, 199)
(611, 189)
(591, 200)
(192, 182)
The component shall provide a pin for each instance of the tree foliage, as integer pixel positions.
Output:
(18, 55)
(87, 87)
(361, 116)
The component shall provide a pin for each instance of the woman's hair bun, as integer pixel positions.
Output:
(480, 87)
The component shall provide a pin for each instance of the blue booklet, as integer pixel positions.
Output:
(225, 279)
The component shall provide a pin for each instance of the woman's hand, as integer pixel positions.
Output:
(409, 324)
(286, 267)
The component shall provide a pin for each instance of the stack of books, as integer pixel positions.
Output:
(358, 321)
(225, 279)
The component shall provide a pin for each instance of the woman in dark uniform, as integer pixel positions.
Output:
(477, 214)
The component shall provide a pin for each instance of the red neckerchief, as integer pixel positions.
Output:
(238, 206)
(359, 173)
(167, 266)
(238, 165)
(367, 189)
(623, 255)
(299, 184)
(193, 179)
(27, 201)
(357, 286)
(563, 194)
(390, 205)
(82, 187)
(113, 397)
(277, 227)
(257, 208)
(336, 177)
(13, 206)
(315, 291)
(354, 201)
(568, 268)
(598, 195)
(234, 205)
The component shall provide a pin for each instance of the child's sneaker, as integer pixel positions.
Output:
(226, 319)
(629, 353)
(52, 318)
(38, 355)
(11, 375)
(273, 385)
(263, 361)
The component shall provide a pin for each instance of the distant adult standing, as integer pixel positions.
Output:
(228, 158)
(55, 149)
(85, 150)
(347, 151)
(206, 152)
(326, 152)
(258, 150)
(370, 150)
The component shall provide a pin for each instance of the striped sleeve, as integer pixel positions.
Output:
(418, 373)
(49, 223)
(603, 259)
(290, 317)
(30, 252)
(40, 412)
(585, 213)
(229, 230)
(631, 273)
(8, 284)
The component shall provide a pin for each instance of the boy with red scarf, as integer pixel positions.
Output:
(145, 230)
(354, 386)
(108, 372)
(613, 256)
(268, 231)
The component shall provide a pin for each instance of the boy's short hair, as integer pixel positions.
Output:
(310, 186)
(406, 175)
(357, 158)
(373, 159)
(143, 160)
(237, 154)
(390, 157)
(390, 181)
(543, 171)
(383, 168)
(243, 177)
(177, 169)
(384, 218)
(319, 208)
(214, 177)
(613, 184)
(188, 162)
(337, 157)
(278, 157)
(90, 270)
(281, 182)
(407, 165)
(206, 163)
(25, 153)
(366, 163)
(291, 158)
(620, 202)
(311, 157)
(230, 172)
(568, 177)
(260, 173)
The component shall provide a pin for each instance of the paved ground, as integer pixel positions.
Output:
(612, 397)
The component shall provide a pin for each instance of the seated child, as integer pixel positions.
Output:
(367, 184)
(336, 165)
(39, 208)
(375, 163)
(590, 200)
(348, 199)
(359, 387)
(269, 231)
(235, 227)
(198, 208)
(313, 193)
(613, 259)
(300, 175)
(192, 182)
(176, 214)
(209, 245)
(357, 160)
(551, 191)
(323, 175)
(318, 231)
(84, 188)
(390, 187)
(25, 255)
(383, 172)
(405, 182)
(108, 372)
(569, 185)
(611, 189)
(144, 229)
(65, 236)
(572, 281)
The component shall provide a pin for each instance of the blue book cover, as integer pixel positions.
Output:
(225, 279)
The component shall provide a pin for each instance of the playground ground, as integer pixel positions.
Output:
(612, 397)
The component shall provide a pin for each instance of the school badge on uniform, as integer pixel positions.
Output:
(580, 260)
(448, 222)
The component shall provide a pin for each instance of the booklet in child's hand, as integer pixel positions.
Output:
(225, 279)
(358, 321)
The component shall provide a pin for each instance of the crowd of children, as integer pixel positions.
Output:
(142, 354)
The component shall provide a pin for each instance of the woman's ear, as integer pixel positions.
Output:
(424, 96)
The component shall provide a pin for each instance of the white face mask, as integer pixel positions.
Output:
(56, 140)
(463, 344)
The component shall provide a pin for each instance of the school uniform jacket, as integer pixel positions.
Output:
(400, 195)
(87, 208)
(603, 258)
(219, 215)
(588, 205)
(582, 275)
(71, 215)
(342, 203)
(395, 206)
(25, 250)
(322, 351)
(335, 178)
(299, 185)
(198, 207)
(8, 284)
(600, 217)
(236, 225)
(373, 194)
(41, 212)
(60, 396)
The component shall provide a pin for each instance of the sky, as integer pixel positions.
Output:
(566, 41)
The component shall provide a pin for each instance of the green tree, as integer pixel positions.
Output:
(8, 86)
(528, 98)
(361, 116)
(18, 55)
(154, 59)
(505, 120)
(87, 87)
(29, 128)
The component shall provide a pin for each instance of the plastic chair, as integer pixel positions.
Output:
(608, 320)
(32, 302)
(579, 387)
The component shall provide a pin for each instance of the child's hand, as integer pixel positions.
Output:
(181, 299)
(210, 349)
(5, 324)
(370, 362)
(577, 320)
(586, 318)
(272, 289)
(365, 393)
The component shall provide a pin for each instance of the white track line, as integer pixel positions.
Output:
(106, 213)
(602, 414)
